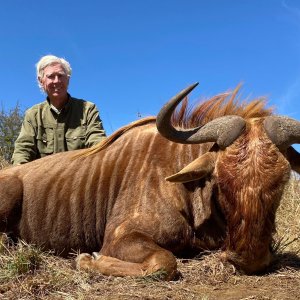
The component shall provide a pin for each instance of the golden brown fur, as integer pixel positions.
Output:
(219, 106)
(113, 198)
(251, 176)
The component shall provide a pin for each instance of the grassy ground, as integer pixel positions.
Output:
(28, 273)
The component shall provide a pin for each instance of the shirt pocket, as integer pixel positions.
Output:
(75, 138)
(45, 141)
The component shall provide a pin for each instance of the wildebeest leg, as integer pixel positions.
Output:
(132, 255)
(11, 192)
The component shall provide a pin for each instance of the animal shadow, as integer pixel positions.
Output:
(285, 260)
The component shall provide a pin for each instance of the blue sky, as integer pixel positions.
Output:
(131, 56)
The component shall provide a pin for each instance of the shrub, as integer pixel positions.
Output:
(10, 125)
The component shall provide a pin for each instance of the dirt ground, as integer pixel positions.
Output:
(209, 279)
(206, 278)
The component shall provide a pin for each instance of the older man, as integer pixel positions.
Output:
(61, 122)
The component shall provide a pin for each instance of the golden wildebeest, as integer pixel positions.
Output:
(153, 191)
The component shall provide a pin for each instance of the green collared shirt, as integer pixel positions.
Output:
(46, 131)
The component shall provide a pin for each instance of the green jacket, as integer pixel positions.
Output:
(45, 132)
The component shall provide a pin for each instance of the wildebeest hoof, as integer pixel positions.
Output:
(83, 261)
(96, 255)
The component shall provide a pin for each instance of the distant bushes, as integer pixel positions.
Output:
(10, 125)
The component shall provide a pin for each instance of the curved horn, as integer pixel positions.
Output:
(282, 131)
(223, 130)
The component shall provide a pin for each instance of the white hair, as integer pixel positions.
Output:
(49, 60)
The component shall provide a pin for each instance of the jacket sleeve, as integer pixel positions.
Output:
(95, 131)
(25, 145)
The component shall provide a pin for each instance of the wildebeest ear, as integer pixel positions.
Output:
(197, 169)
(293, 157)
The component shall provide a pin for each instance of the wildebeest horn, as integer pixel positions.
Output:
(282, 131)
(223, 130)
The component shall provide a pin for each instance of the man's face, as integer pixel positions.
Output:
(55, 81)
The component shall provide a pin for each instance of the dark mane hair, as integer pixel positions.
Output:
(188, 117)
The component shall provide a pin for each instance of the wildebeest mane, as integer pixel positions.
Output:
(105, 143)
(228, 103)
(186, 116)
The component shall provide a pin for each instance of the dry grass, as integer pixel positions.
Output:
(28, 273)
(288, 220)
(3, 163)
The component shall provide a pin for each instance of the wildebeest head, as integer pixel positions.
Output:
(250, 167)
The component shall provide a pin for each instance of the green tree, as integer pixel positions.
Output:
(10, 125)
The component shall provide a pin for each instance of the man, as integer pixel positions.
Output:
(61, 122)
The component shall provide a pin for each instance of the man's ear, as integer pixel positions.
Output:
(197, 169)
(40, 80)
